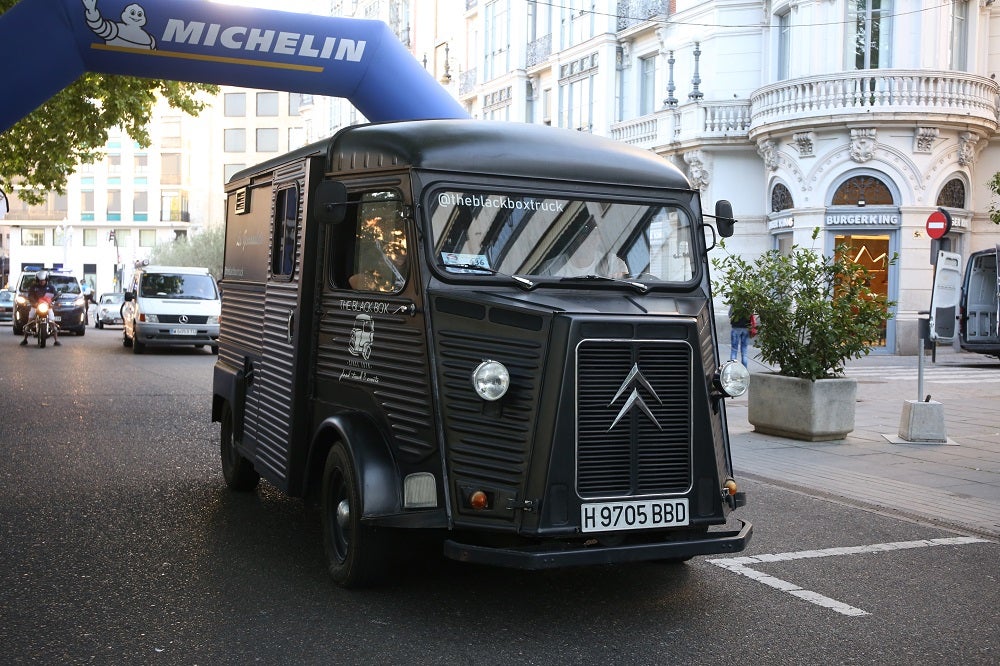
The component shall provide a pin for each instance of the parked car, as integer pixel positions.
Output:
(69, 308)
(109, 309)
(6, 305)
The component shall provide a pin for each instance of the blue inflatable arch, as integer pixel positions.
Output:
(47, 44)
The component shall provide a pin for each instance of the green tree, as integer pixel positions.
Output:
(204, 249)
(71, 128)
(994, 185)
(816, 312)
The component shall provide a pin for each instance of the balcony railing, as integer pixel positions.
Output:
(633, 12)
(539, 51)
(868, 92)
(695, 121)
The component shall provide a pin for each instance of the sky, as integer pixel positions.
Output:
(304, 6)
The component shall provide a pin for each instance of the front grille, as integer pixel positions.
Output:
(176, 319)
(633, 418)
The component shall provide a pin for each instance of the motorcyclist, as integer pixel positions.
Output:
(36, 292)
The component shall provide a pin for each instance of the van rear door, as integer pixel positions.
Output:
(981, 303)
(946, 295)
(276, 410)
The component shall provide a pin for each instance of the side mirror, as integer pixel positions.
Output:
(129, 295)
(330, 202)
(724, 218)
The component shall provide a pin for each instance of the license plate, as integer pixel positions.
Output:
(641, 515)
(183, 331)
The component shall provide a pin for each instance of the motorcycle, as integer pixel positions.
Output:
(40, 326)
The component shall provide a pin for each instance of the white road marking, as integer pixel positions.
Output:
(739, 565)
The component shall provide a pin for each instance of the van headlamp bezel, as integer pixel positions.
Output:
(732, 379)
(491, 380)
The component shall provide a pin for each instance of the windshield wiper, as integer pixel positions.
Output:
(522, 281)
(641, 287)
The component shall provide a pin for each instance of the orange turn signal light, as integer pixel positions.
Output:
(730, 486)
(478, 500)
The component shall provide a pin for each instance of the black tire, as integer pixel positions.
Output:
(42, 336)
(236, 470)
(138, 347)
(357, 555)
(126, 341)
(215, 349)
(98, 325)
(81, 331)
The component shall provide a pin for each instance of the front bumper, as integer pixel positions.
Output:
(560, 554)
(159, 335)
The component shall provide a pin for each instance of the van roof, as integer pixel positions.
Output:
(481, 146)
(186, 270)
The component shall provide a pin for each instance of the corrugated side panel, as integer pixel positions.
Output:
(489, 443)
(240, 333)
(395, 374)
(274, 380)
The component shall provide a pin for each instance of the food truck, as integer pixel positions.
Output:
(497, 335)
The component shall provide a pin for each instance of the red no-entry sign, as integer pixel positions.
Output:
(938, 223)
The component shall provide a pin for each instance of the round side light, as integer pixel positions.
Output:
(734, 378)
(491, 380)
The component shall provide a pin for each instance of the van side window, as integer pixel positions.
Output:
(285, 231)
(379, 261)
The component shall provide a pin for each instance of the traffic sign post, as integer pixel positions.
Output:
(937, 226)
(938, 223)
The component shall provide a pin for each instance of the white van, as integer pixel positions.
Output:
(979, 311)
(171, 306)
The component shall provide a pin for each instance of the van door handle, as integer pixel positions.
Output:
(291, 325)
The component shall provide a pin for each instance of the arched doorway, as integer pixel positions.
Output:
(863, 219)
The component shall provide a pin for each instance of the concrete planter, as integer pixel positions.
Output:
(801, 409)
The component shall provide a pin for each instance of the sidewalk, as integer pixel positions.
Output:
(955, 485)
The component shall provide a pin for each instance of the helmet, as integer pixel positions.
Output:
(42, 275)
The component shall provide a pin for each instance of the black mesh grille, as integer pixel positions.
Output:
(176, 319)
(634, 418)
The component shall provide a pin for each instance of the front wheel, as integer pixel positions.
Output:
(236, 470)
(356, 554)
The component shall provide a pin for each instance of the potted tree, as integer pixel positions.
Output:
(815, 312)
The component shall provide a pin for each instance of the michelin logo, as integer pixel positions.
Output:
(129, 32)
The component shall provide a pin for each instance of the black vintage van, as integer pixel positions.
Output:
(496, 332)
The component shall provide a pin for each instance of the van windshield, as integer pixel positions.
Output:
(560, 238)
(177, 285)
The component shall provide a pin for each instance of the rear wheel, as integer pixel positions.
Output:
(356, 554)
(236, 470)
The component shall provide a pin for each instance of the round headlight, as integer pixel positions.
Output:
(734, 378)
(491, 380)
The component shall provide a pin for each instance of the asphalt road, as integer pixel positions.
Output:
(121, 545)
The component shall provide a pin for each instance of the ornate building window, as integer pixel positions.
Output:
(781, 199)
(952, 194)
(862, 191)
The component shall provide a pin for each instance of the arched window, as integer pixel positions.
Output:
(952, 194)
(862, 191)
(781, 199)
